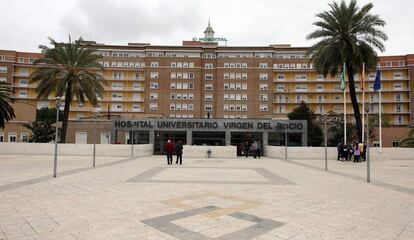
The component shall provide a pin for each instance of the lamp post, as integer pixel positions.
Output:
(367, 108)
(95, 115)
(56, 136)
(324, 119)
(286, 142)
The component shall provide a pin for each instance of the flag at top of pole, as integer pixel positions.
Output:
(343, 89)
(343, 86)
(377, 82)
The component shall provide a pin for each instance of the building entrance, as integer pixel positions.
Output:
(240, 138)
(161, 137)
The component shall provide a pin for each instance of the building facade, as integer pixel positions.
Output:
(207, 80)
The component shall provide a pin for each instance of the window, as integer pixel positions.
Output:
(23, 93)
(208, 76)
(319, 99)
(397, 75)
(138, 77)
(398, 108)
(208, 65)
(398, 97)
(263, 97)
(116, 96)
(244, 65)
(42, 104)
(263, 86)
(263, 107)
(398, 120)
(208, 87)
(153, 95)
(397, 86)
(154, 75)
(116, 107)
(319, 88)
(208, 107)
(153, 85)
(117, 85)
(154, 64)
(23, 82)
(388, 64)
(244, 76)
(319, 77)
(153, 106)
(81, 138)
(263, 65)
(281, 77)
(3, 79)
(301, 77)
(3, 69)
(24, 137)
(1, 136)
(301, 88)
(263, 76)
(12, 137)
(208, 97)
(117, 75)
(136, 86)
(396, 143)
(81, 104)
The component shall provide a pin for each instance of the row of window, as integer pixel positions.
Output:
(12, 137)
(235, 116)
(181, 106)
(320, 88)
(182, 96)
(181, 115)
(235, 107)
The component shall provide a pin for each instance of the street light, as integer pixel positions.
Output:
(324, 119)
(56, 136)
(367, 109)
(286, 142)
(95, 115)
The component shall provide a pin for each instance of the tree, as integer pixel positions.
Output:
(408, 142)
(67, 70)
(303, 112)
(42, 129)
(347, 34)
(337, 133)
(6, 110)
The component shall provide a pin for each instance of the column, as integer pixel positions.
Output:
(228, 138)
(114, 136)
(189, 137)
(151, 137)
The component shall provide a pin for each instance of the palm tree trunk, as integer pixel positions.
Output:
(68, 99)
(354, 100)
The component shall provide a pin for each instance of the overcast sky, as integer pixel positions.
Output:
(25, 24)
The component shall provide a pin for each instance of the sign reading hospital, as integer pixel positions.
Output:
(210, 124)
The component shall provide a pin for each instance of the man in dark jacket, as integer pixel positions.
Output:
(169, 149)
(179, 152)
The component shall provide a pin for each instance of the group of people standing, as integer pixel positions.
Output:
(357, 150)
(169, 149)
(255, 150)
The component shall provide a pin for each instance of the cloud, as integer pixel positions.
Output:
(132, 21)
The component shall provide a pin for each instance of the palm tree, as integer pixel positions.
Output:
(66, 70)
(408, 142)
(347, 34)
(6, 110)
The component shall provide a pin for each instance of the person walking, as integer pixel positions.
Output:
(246, 149)
(169, 149)
(179, 152)
(357, 153)
(253, 149)
(339, 149)
(259, 148)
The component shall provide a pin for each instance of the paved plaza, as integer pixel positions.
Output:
(226, 199)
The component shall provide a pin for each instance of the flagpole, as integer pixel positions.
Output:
(344, 108)
(380, 121)
(363, 101)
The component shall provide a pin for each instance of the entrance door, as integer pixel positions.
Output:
(239, 138)
(161, 137)
(81, 137)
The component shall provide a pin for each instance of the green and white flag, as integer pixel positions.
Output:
(343, 86)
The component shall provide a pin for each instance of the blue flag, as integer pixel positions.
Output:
(377, 82)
